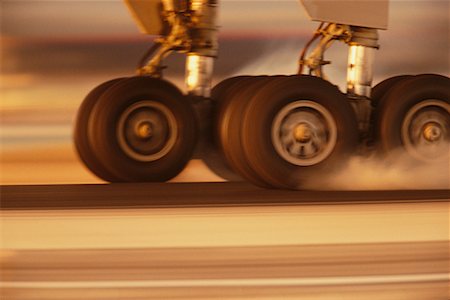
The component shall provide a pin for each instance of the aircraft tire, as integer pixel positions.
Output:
(213, 157)
(378, 91)
(297, 128)
(145, 130)
(81, 133)
(384, 86)
(229, 125)
(414, 117)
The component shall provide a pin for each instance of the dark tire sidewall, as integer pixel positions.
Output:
(229, 126)
(258, 121)
(108, 111)
(81, 133)
(399, 100)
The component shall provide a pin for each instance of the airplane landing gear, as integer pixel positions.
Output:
(274, 131)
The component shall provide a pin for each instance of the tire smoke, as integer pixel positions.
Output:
(399, 171)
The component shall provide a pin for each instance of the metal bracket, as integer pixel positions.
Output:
(193, 31)
(328, 35)
(178, 39)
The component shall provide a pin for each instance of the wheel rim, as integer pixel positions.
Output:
(147, 131)
(304, 133)
(426, 130)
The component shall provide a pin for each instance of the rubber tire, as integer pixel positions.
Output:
(213, 157)
(257, 122)
(394, 106)
(81, 139)
(221, 89)
(378, 92)
(384, 86)
(115, 101)
(229, 125)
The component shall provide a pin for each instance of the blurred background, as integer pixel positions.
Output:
(54, 52)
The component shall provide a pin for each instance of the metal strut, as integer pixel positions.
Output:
(361, 54)
(328, 34)
(193, 31)
(176, 40)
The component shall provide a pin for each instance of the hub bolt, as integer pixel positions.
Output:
(302, 133)
(432, 132)
(144, 130)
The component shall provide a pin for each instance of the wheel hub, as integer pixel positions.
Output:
(147, 131)
(304, 133)
(426, 130)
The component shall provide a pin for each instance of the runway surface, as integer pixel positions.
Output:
(364, 271)
(132, 195)
(222, 241)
